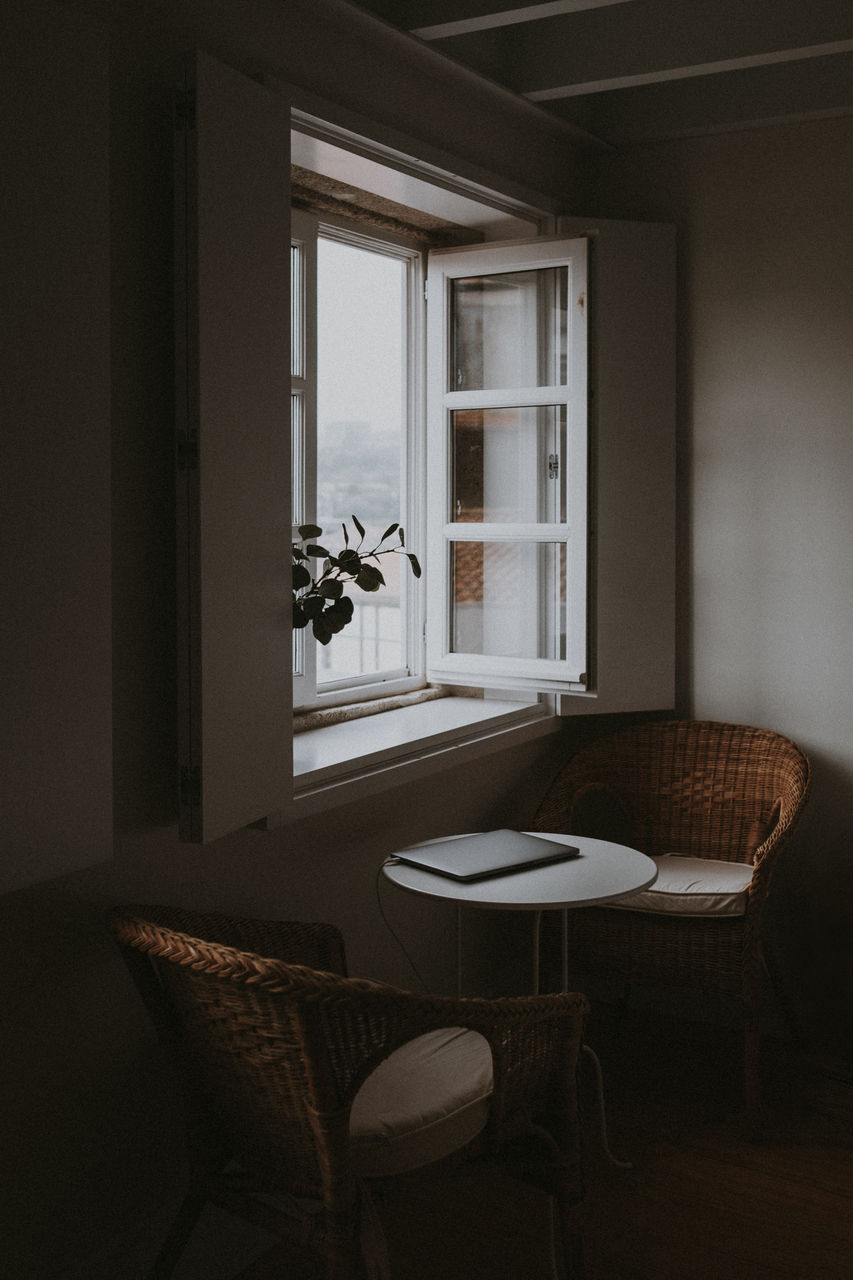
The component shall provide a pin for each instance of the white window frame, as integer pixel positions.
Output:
(306, 229)
(531, 675)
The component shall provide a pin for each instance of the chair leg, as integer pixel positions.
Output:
(752, 1054)
(179, 1233)
(566, 1240)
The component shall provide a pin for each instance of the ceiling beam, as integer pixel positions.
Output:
(688, 72)
(509, 17)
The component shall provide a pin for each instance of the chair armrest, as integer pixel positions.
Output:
(535, 1040)
(793, 794)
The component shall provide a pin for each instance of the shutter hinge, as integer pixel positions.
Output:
(186, 450)
(184, 109)
(426, 290)
(553, 466)
(190, 786)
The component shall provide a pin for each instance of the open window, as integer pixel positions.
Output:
(507, 438)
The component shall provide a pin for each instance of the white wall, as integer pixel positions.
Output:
(766, 481)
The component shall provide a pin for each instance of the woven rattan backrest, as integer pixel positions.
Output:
(703, 788)
(239, 1024)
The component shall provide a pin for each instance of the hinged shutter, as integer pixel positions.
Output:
(233, 404)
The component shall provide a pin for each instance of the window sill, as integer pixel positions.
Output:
(343, 762)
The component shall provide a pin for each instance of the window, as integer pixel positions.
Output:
(507, 433)
(506, 557)
(355, 409)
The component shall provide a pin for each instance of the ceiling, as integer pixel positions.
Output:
(632, 71)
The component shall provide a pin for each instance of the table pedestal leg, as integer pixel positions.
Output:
(599, 1078)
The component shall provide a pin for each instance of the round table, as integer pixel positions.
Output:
(601, 871)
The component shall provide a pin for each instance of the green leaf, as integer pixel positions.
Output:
(358, 525)
(312, 606)
(391, 528)
(322, 631)
(332, 590)
(340, 611)
(298, 553)
(309, 531)
(335, 621)
(314, 550)
(413, 561)
(402, 538)
(349, 560)
(346, 535)
(369, 578)
(300, 577)
(298, 616)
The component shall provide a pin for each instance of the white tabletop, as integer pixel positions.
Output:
(601, 871)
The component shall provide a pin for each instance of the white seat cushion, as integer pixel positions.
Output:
(693, 887)
(427, 1099)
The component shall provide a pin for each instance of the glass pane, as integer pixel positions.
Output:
(509, 330)
(297, 503)
(502, 599)
(361, 416)
(297, 458)
(508, 464)
(297, 312)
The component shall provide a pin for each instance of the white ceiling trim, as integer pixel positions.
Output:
(685, 73)
(509, 17)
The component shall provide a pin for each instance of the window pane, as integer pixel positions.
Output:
(297, 457)
(508, 464)
(297, 311)
(361, 415)
(509, 330)
(502, 596)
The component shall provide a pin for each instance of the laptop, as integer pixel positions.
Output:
(488, 853)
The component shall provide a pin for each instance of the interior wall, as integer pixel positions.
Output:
(91, 1150)
(766, 457)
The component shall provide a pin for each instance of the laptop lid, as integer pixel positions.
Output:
(488, 853)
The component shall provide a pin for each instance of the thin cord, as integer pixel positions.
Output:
(390, 927)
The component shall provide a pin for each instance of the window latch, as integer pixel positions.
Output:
(553, 466)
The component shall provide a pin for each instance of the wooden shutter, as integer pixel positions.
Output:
(233, 407)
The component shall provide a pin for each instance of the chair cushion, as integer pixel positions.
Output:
(427, 1099)
(693, 887)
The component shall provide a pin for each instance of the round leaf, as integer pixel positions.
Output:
(312, 605)
(322, 631)
(369, 578)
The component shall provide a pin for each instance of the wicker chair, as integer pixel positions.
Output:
(704, 790)
(293, 1075)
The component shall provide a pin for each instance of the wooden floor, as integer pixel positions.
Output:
(706, 1198)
